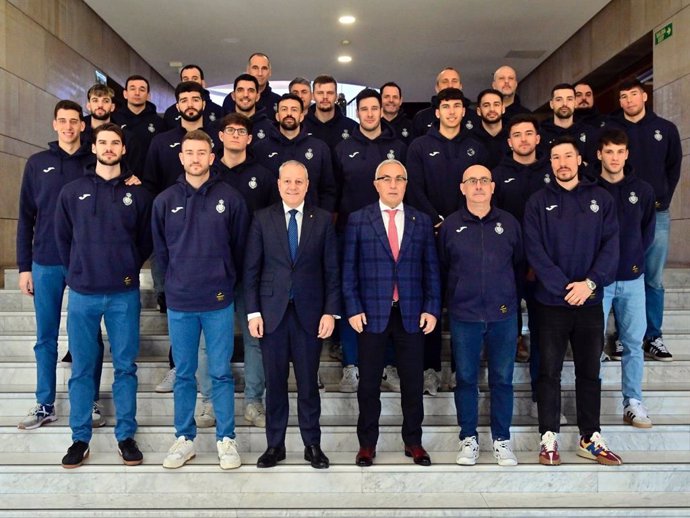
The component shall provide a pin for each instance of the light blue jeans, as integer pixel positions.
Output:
(655, 260)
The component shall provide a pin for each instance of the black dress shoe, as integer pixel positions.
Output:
(271, 457)
(317, 458)
(418, 454)
(365, 456)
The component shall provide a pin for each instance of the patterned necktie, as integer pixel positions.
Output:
(393, 242)
(292, 234)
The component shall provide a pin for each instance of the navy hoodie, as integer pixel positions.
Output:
(356, 160)
(585, 136)
(45, 174)
(256, 184)
(103, 233)
(516, 182)
(514, 109)
(212, 113)
(198, 237)
(333, 132)
(268, 100)
(426, 118)
(481, 260)
(435, 166)
(634, 199)
(403, 128)
(497, 147)
(142, 127)
(262, 125)
(277, 149)
(655, 153)
(571, 236)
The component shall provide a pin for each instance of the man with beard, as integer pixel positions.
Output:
(490, 132)
(246, 96)
(505, 81)
(323, 120)
(103, 234)
(259, 67)
(563, 105)
(392, 99)
(288, 142)
(301, 88)
(212, 112)
(100, 104)
(585, 111)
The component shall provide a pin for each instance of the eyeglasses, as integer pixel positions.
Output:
(484, 180)
(231, 131)
(390, 179)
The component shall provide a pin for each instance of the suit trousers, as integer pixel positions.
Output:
(290, 342)
(409, 356)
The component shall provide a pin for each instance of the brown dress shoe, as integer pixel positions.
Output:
(418, 454)
(365, 456)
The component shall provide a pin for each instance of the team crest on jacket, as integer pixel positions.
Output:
(309, 154)
(220, 208)
(503, 309)
(260, 134)
(127, 200)
(212, 117)
(469, 125)
(499, 229)
(152, 128)
(635, 268)
(658, 136)
(547, 178)
(633, 198)
(345, 134)
(127, 280)
(404, 132)
(470, 151)
(390, 155)
(220, 296)
(594, 207)
(583, 137)
(252, 183)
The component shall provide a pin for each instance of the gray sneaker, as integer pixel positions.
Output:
(207, 417)
(167, 383)
(350, 380)
(432, 382)
(390, 379)
(97, 420)
(255, 414)
(38, 416)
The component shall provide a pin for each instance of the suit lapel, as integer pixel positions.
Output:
(410, 222)
(278, 217)
(307, 227)
(379, 228)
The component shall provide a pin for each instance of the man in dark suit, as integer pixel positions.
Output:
(397, 297)
(292, 295)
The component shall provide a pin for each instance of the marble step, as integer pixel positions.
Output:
(15, 300)
(23, 322)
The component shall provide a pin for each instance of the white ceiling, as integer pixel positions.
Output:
(407, 41)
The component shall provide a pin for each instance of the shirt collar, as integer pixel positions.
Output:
(300, 208)
(383, 207)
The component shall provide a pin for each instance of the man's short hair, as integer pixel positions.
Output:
(613, 136)
(299, 81)
(584, 83)
(100, 90)
(108, 126)
(137, 77)
(188, 86)
(324, 80)
(259, 54)
(392, 84)
(368, 93)
(66, 104)
(562, 86)
(522, 118)
(293, 97)
(191, 66)
(448, 68)
(630, 85)
(246, 77)
(488, 91)
(237, 119)
(295, 163)
(451, 94)
(389, 162)
(198, 134)
(565, 139)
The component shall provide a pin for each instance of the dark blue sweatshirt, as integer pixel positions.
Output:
(435, 166)
(333, 132)
(655, 153)
(268, 100)
(198, 237)
(262, 125)
(276, 149)
(571, 236)
(403, 128)
(481, 260)
(45, 174)
(103, 233)
(212, 113)
(516, 182)
(584, 135)
(256, 184)
(634, 200)
(142, 127)
(496, 146)
(514, 109)
(356, 160)
(426, 118)
(132, 145)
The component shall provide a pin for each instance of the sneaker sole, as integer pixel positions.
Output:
(465, 462)
(182, 462)
(650, 356)
(636, 424)
(162, 391)
(601, 460)
(49, 419)
(72, 466)
(549, 462)
(233, 465)
(130, 462)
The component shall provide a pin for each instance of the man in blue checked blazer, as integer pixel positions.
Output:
(391, 290)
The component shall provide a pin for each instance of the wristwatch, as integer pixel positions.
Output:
(591, 284)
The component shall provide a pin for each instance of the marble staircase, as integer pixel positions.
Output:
(654, 481)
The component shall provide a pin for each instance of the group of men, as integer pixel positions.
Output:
(467, 209)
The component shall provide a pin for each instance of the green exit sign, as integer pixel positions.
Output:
(663, 34)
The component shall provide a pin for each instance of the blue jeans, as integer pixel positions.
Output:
(121, 313)
(501, 342)
(655, 260)
(628, 301)
(185, 329)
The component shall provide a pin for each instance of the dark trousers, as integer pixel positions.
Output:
(409, 356)
(584, 328)
(290, 342)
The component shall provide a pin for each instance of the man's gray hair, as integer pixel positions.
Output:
(388, 162)
(295, 163)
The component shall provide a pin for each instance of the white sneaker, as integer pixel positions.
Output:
(504, 454)
(350, 380)
(207, 417)
(179, 453)
(97, 420)
(432, 382)
(390, 379)
(635, 413)
(167, 383)
(469, 452)
(38, 416)
(534, 412)
(255, 414)
(227, 453)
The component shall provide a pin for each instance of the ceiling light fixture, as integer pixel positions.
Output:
(344, 59)
(347, 19)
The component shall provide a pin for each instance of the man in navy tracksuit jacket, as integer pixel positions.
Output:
(655, 156)
(259, 67)
(506, 82)
(288, 142)
(571, 240)
(634, 200)
(247, 102)
(324, 120)
(480, 251)
(103, 234)
(392, 99)
(199, 228)
(212, 112)
(491, 131)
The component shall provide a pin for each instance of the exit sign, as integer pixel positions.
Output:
(663, 34)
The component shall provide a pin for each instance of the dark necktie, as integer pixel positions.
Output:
(292, 234)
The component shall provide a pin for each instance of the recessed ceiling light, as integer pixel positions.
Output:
(347, 20)
(344, 59)
(176, 64)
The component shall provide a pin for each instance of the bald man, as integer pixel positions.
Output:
(506, 82)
